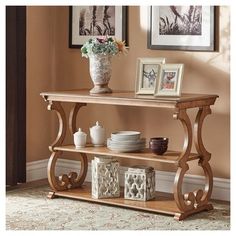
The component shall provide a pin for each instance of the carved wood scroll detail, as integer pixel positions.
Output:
(72, 180)
(72, 116)
(191, 201)
(62, 123)
(184, 118)
(205, 155)
(202, 113)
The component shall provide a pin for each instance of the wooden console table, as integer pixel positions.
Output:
(180, 205)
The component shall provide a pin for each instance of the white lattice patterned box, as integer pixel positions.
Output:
(140, 183)
(105, 177)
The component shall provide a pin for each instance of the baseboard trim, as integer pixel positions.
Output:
(221, 189)
(36, 170)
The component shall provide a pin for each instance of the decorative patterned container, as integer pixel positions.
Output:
(105, 177)
(100, 72)
(140, 183)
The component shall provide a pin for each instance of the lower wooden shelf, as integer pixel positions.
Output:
(163, 203)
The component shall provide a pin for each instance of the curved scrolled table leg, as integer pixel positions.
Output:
(62, 123)
(63, 182)
(192, 202)
(72, 116)
(205, 155)
(184, 202)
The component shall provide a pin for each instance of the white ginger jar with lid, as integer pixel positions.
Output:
(80, 139)
(97, 134)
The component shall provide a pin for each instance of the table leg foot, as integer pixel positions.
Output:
(51, 195)
(183, 215)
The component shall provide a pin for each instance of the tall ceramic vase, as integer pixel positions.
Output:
(100, 72)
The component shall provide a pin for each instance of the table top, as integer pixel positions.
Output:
(129, 98)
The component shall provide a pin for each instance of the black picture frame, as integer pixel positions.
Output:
(80, 40)
(210, 44)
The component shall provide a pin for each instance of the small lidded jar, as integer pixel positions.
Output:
(80, 139)
(97, 134)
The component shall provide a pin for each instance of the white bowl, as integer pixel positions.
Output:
(130, 143)
(125, 135)
(126, 149)
(126, 146)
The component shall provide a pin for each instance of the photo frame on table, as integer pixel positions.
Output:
(86, 22)
(190, 28)
(170, 80)
(147, 74)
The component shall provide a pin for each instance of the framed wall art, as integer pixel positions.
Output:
(170, 80)
(147, 73)
(86, 22)
(182, 28)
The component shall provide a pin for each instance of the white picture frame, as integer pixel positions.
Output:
(147, 74)
(170, 80)
(169, 28)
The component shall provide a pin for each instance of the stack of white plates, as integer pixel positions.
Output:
(126, 141)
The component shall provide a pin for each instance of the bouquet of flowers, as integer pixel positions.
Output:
(103, 46)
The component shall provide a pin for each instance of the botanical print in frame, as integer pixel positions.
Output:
(182, 28)
(170, 80)
(148, 70)
(93, 21)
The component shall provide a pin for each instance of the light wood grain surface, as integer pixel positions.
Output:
(181, 204)
(170, 157)
(129, 98)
